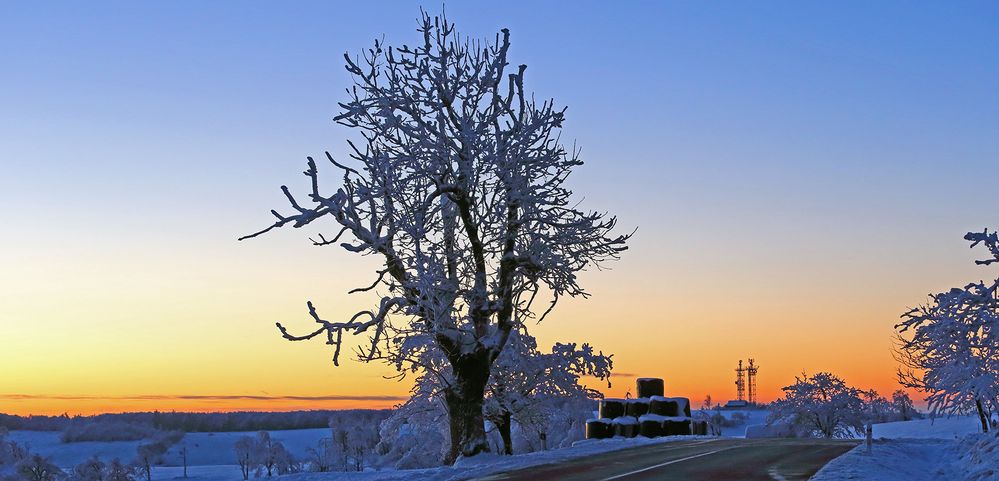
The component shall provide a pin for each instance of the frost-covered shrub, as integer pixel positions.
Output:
(415, 435)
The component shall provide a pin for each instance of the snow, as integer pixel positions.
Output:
(940, 428)
(471, 468)
(752, 417)
(67, 455)
(207, 449)
(890, 460)
(920, 450)
(203, 449)
(978, 457)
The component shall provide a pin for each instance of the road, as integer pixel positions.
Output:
(707, 460)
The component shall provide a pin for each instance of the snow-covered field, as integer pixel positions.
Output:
(203, 449)
(65, 455)
(210, 456)
(478, 467)
(940, 428)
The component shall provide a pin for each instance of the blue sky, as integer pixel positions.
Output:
(794, 157)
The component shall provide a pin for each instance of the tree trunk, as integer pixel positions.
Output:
(981, 416)
(503, 424)
(464, 404)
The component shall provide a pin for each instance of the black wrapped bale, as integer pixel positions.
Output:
(610, 408)
(676, 427)
(649, 386)
(684, 406)
(636, 407)
(599, 429)
(700, 428)
(626, 426)
(664, 406)
(650, 426)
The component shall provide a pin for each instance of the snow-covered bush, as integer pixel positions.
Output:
(949, 348)
(820, 405)
(11, 454)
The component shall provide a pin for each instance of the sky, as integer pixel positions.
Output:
(799, 174)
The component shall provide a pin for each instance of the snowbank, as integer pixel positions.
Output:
(974, 457)
(890, 460)
(978, 457)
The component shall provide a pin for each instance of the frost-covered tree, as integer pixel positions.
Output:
(118, 471)
(903, 406)
(540, 392)
(322, 457)
(822, 404)
(458, 186)
(949, 347)
(91, 469)
(529, 386)
(246, 449)
(271, 455)
(38, 468)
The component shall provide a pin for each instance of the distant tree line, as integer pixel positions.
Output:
(134, 426)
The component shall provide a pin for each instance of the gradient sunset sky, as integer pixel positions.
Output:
(799, 172)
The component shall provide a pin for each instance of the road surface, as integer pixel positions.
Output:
(696, 460)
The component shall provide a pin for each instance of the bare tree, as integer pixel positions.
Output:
(460, 190)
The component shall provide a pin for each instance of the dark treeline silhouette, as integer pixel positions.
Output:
(81, 428)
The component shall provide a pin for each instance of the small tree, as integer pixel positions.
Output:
(821, 404)
(118, 471)
(949, 348)
(271, 455)
(321, 457)
(38, 468)
(903, 406)
(528, 386)
(460, 189)
(245, 448)
(90, 470)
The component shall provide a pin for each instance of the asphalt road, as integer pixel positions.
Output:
(699, 460)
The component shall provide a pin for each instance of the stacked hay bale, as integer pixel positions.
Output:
(650, 415)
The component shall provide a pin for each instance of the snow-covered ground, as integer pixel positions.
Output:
(209, 449)
(946, 449)
(475, 468)
(752, 417)
(940, 428)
